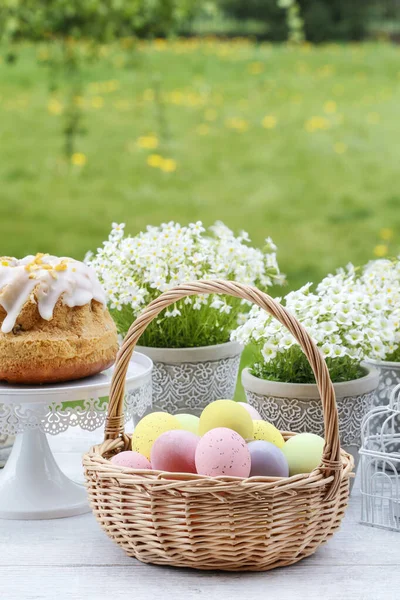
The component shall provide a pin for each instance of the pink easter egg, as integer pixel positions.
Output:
(174, 451)
(130, 459)
(222, 451)
(255, 415)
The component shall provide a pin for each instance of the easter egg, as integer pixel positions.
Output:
(255, 415)
(267, 460)
(268, 433)
(189, 422)
(229, 414)
(303, 452)
(130, 459)
(175, 451)
(149, 429)
(222, 451)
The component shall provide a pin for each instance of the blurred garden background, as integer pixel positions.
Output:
(274, 116)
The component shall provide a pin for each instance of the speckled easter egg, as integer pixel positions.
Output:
(254, 414)
(229, 414)
(189, 422)
(268, 433)
(303, 452)
(267, 460)
(222, 451)
(130, 459)
(174, 451)
(149, 429)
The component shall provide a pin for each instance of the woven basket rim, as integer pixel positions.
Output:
(152, 477)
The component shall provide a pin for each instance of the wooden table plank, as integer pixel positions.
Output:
(72, 559)
(146, 582)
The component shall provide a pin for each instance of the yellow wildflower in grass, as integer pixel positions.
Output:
(78, 159)
(330, 107)
(160, 44)
(340, 147)
(154, 160)
(79, 101)
(373, 118)
(203, 129)
(210, 114)
(150, 142)
(325, 71)
(148, 95)
(55, 107)
(381, 250)
(255, 68)
(316, 123)
(111, 86)
(43, 54)
(269, 122)
(168, 165)
(104, 50)
(97, 102)
(386, 234)
(237, 124)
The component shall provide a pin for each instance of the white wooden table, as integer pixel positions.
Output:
(73, 559)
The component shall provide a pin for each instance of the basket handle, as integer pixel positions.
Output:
(114, 427)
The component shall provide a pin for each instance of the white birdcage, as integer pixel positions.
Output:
(380, 465)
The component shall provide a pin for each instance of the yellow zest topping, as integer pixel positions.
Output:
(61, 267)
(5, 263)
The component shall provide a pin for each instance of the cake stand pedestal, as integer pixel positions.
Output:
(32, 486)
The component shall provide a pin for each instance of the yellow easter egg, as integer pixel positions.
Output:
(149, 429)
(303, 452)
(226, 413)
(268, 433)
(189, 422)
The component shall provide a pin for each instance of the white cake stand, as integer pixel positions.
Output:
(32, 486)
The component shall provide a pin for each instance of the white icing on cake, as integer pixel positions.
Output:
(51, 278)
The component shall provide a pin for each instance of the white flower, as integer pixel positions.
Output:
(349, 315)
(135, 270)
(269, 352)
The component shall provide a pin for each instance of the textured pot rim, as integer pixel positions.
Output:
(383, 363)
(190, 355)
(278, 389)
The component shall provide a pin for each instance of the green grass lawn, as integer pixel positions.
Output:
(322, 178)
(301, 144)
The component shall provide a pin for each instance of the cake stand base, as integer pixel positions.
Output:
(33, 487)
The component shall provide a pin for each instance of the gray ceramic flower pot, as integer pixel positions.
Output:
(297, 407)
(389, 377)
(187, 379)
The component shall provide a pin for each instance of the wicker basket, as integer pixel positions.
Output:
(225, 523)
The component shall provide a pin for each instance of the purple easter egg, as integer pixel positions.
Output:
(222, 451)
(130, 459)
(174, 451)
(267, 460)
(255, 415)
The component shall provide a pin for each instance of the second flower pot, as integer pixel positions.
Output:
(187, 379)
(297, 406)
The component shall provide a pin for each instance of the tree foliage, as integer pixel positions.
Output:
(98, 20)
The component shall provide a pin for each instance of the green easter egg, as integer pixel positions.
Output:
(189, 422)
(303, 452)
(227, 413)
